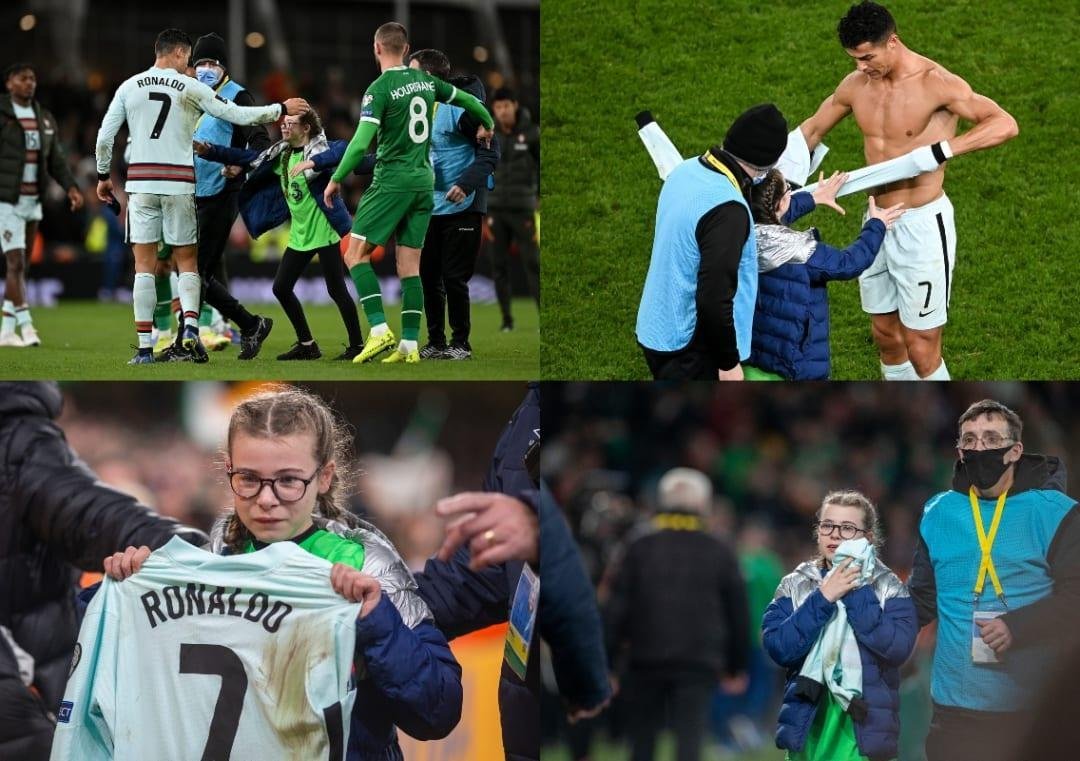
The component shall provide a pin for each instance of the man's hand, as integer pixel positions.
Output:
(76, 198)
(296, 107)
(332, 189)
(996, 634)
(302, 166)
(456, 194)
(497, 527)
(104, 191)
(484, 135)
(355, 586)
(735, 685)
(120, 565)
(734, 374)
(825, 193)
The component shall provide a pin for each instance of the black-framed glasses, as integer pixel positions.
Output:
(990, 440)
(286, 488)
(847, 530)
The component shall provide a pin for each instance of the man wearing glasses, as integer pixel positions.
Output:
(998, 566)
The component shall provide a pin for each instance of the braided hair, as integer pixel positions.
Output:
(765, 198)
(284, 411)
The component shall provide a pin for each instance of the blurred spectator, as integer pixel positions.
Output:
(678, 608)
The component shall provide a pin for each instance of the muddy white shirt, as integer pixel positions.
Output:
(161, 108)
(209, 656)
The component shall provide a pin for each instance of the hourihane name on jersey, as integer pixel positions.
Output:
(172, 603)
(412, 87)
(176, 84)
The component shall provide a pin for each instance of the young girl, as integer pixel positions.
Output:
(814, 724)
(286, 464)
(286, 183)
(790, 338)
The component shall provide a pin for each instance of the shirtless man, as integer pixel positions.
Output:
(906, 104)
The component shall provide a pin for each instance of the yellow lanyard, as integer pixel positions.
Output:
(986, 544)
(716, 163)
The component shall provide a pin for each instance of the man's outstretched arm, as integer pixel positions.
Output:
(993, 124)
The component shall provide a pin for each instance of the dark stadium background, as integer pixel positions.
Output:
(773, 451)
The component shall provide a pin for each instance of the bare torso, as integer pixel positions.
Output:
(898, 115)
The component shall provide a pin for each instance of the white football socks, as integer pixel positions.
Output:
(905, 371)
(941, 374)
(188, 285)
(7, 322)
(144, 298)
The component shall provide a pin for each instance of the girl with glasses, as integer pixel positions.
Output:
(287, 464)
(842, 631)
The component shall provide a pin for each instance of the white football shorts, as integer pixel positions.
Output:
(913, 271)
(13, 219)
(152, 218)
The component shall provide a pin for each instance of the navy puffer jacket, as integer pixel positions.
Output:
(881, 614)
(791, 320)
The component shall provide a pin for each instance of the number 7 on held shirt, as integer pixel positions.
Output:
(214, 657)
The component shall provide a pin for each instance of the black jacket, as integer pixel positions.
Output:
(52, 160)
(678, 601)
(1056, 614)
(517, 180)
(55, 516)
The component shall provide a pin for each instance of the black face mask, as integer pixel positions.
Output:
(985, 467)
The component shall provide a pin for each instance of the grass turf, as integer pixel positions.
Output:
(665, 751)
(93, 341)
(696, 65)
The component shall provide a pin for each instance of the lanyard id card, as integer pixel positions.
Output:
(980, 651)
(522, 621)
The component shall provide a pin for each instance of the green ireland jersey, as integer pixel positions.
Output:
(401, 104)
(309, 227)
(326, 545)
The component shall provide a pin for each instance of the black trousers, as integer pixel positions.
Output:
(446, 264)
(216, 217)
(957, 733)
(333, 268)
(659, 698)
(510, 226)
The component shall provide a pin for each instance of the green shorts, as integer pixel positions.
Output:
(164, 252)
(383, 214)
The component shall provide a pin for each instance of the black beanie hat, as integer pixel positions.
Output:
(758, 136)
(212, 47)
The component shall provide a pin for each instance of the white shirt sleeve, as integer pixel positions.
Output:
(900, 168)
(110, 125)
(205, 98)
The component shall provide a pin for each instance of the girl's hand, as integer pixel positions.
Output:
(303, 166)
(120, 565)
(887, 216)
(842, 580)
(200, 147)
(355, 586)
(825, 195)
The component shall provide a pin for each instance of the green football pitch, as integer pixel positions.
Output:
(93, 341)
(696, 65)
(665, 751)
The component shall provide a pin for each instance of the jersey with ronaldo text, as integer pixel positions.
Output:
(161, 108)
(213, 656)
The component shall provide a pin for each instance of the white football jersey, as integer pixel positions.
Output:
(161, 108)
(213, 656)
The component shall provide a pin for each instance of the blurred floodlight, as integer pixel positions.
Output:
(255, 40)
(28, 22)
(480, 53)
